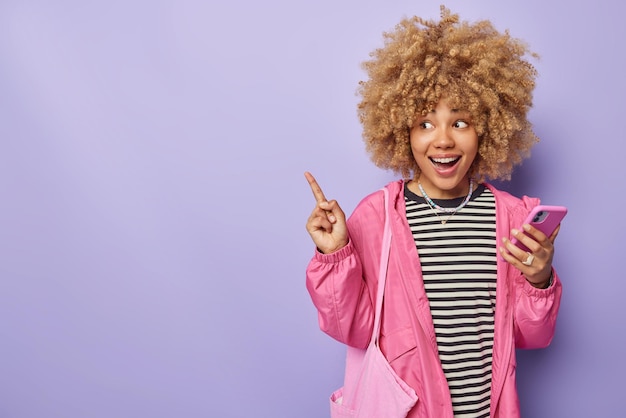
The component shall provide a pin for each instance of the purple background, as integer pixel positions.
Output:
(153, 249)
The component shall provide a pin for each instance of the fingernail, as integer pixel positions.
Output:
(514, 231)
(526, 227)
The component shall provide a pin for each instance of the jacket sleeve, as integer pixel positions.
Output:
(535, 313)
(535, 309)
(340, 294)
(343, 284)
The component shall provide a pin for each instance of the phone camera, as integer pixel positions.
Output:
(540, 216)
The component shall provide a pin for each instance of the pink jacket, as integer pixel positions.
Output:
(342, 286)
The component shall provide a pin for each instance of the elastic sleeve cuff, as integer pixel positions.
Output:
(535, 291)
(335, 257)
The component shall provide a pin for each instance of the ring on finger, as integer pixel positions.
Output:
(529, 260)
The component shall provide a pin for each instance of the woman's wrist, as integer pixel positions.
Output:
(544, 284)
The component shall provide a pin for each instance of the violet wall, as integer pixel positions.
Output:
(152, 241)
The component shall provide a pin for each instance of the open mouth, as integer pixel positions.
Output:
(444, 162)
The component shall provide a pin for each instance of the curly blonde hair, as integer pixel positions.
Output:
(475, 67)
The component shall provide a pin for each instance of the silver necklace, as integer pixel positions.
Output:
(451, 211)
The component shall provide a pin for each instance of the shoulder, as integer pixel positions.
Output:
(366, 224)
(370, 211)
(375, 200)
(515, 206)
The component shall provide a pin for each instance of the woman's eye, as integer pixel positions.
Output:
(461, 124)
(426, 125)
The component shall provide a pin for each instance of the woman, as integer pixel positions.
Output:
(445, 106)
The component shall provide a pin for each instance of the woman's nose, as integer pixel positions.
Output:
(444, 139)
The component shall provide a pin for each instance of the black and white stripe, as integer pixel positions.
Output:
(458, 261)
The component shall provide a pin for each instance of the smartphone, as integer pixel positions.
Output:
(545, 219)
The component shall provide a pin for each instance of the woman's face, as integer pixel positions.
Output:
(444, 144)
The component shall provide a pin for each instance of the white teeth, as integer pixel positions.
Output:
(445, 160)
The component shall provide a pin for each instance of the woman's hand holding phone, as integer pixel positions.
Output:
(531, 249)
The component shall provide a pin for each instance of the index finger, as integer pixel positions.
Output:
(315, 188)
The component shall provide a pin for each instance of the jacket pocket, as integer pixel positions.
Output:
(397, 343)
